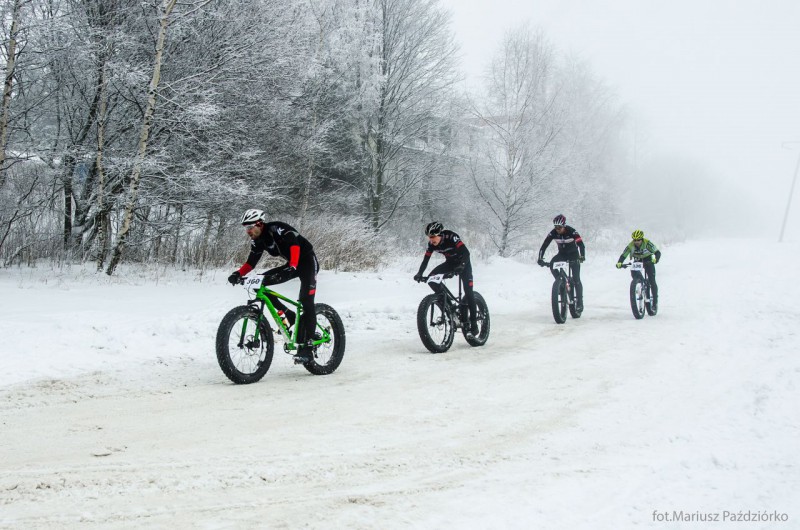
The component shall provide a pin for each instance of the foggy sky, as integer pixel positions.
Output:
(716, 82)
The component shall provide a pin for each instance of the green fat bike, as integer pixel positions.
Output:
(245, 341)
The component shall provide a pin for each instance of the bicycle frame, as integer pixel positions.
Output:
(638, 267)
(448, 294)
(565, 273)
(261, 300)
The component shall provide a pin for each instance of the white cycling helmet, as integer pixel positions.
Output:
(253, 216)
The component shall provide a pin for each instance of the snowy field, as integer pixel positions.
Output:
(115, 413)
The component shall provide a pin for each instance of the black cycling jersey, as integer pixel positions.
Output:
(277, 238)
(569, 243)
(456, 257)
(451, 247)
(281, 239)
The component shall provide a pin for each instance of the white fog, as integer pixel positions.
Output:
(712, 88)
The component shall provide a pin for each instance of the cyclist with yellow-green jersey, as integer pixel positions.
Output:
(644, 250)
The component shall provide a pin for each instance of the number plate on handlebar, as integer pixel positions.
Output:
(436, 278)
(561, 266)
(252, 282)
(637, 266)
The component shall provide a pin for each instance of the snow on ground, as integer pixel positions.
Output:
(115, 414)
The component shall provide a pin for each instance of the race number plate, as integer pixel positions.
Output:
(252, 282)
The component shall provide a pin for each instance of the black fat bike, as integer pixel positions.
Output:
(641, 291)
(440, 314)
(245, 341)
(562, 295)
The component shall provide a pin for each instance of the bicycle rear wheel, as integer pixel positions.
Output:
(574, 309)
(435, 324)
(637, 298)
(242, 357)
(652, 307)
(483, 323)
(558, 300)
(328, 355)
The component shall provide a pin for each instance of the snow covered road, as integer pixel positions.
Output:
(115, 414)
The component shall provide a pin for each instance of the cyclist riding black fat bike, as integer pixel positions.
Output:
(572, 250)
(567, 288)
(440, 314)
(437, 321)
(562, 295)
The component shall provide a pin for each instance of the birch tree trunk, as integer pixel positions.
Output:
(166, 9)
(11, 55)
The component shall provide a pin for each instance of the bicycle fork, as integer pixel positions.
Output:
(255, 342)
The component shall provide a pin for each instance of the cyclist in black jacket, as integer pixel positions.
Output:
(456, 261)
(280, 239)
(570, 249)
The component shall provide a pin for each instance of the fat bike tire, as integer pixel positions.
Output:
(484, 323)
(558, 300)
(435, 324)
(637, 298)
(573, 308)
(328, 355)
(243, 358)
(652, 308)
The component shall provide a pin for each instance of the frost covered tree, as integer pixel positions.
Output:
(516, 149)
(592, 159)
(405, 74)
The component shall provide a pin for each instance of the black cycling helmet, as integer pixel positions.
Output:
(559, 220)
(434, 229)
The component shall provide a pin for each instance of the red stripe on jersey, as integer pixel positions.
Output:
(294, 255)
(470, 283)
(244, 269)
(312, 291)
(460, 244)
(428, 254)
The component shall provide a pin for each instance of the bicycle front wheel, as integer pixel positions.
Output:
(435, 324)
(328, 355)
(637, 298)
(244, 345)
(558, 299)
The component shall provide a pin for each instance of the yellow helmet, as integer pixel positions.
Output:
(637, 234)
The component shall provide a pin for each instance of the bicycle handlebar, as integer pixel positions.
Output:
(446, 276)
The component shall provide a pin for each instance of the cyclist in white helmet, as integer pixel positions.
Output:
(280, 239)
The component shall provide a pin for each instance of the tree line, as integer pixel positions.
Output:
(139, 131)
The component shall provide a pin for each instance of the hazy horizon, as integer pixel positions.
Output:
(710, 86)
